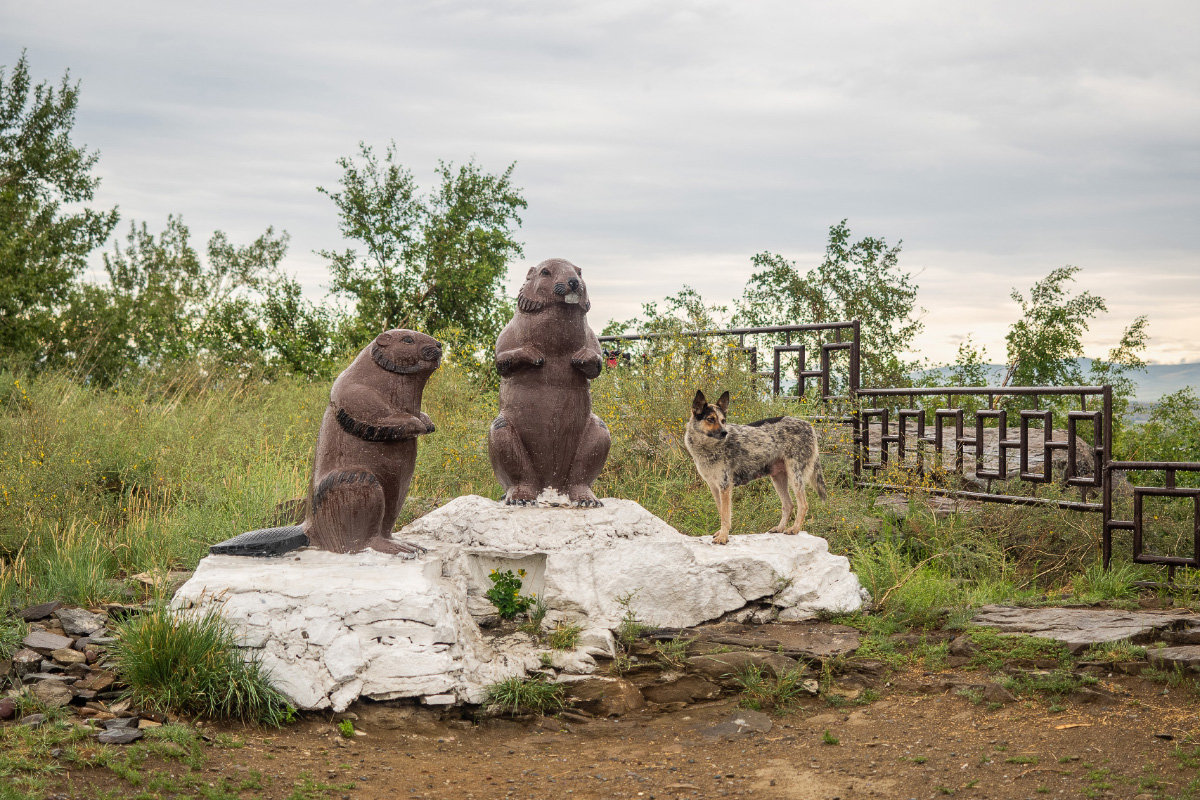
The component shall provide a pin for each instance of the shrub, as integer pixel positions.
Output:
(763, 689)
(506, 596)
(192, 665)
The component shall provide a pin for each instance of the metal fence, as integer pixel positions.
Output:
(912, 428)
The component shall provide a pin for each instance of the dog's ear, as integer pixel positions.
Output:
(699, 402)
(723, 402)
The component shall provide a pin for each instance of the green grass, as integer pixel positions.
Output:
(97, 485)
(524, 695)
(565, 636)
(764, 690)
(181, 663)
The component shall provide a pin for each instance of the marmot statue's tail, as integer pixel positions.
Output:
(264, 542)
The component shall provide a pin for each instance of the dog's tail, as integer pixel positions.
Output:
(818, 481)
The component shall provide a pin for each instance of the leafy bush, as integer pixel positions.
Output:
(192, 665)
(505, 593)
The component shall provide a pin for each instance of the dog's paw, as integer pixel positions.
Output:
(720, 537)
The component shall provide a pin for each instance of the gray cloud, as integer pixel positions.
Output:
(665, 143)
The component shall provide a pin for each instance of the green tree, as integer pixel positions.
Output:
(434, 262)
(1044, 345)
(856, 280)
(970, 368)
(43, 246)
(164, 303)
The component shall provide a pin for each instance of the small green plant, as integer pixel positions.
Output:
(672, 652)
(1021, 760)
(1055, 683)
(1115, 651)
(762, 689)
(535, 616)
(829, 738)
(346, 729)
(630, 627)
(546, 660)
(565, 636)
(1096, 584)
(191, 664)
(505, 593)
(12, 631)
(516, 695)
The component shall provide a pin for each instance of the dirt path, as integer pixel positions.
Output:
(1129, 743)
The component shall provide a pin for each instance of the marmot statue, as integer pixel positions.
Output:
(546, 436)
(366, 452)
(367, 445)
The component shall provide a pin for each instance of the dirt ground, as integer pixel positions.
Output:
(920, 739)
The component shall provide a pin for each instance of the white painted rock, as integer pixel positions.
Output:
(334, 627)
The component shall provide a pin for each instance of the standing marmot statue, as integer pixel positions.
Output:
(367, 445)
(366, 452)
(546, 436)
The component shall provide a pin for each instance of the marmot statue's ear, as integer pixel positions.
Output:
(384, 339)
(698, 402)
(531, 273)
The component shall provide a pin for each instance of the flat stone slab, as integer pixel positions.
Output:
(44, 640)
(1186, 656)
(813, 641)
(332, 627)
(1080, 628)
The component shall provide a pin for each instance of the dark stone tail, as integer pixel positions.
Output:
(264, 542)
(819, 481)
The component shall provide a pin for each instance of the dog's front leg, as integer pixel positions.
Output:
(725, 507)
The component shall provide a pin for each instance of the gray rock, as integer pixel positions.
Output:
(995, 693)
(1080, 628)
(68, 656)
(740, 722)
(79, 622)
(46, 641)
(724, 667)
(1183, 656)
(26, 661)
(120, 736)
(33, 720)
(604, 697)
(52, 694)
(681, 689)
(120, 722)
(8, 708)
(35, 613)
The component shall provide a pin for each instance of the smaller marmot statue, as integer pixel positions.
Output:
(366, 453)
(546, 436)
(367, 445)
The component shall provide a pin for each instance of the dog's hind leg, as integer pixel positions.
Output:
(780, 481)
(797, 485)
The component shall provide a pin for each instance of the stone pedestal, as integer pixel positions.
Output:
(333, 627)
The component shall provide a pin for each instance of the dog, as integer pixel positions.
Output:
(729, 455)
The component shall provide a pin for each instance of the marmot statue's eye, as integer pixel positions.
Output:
(408, 339)
(546, 272)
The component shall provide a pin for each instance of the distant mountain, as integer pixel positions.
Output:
(1157, 380)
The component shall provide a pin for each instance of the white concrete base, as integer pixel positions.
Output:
(332, 628)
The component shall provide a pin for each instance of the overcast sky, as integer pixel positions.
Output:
(663, 143)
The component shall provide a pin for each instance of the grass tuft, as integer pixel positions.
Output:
(190, 664)
(524, 695)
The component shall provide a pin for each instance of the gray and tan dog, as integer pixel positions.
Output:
(729, 455)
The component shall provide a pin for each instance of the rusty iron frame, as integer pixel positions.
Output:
(847, 336)
(1136, 525)
(1101, 420)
